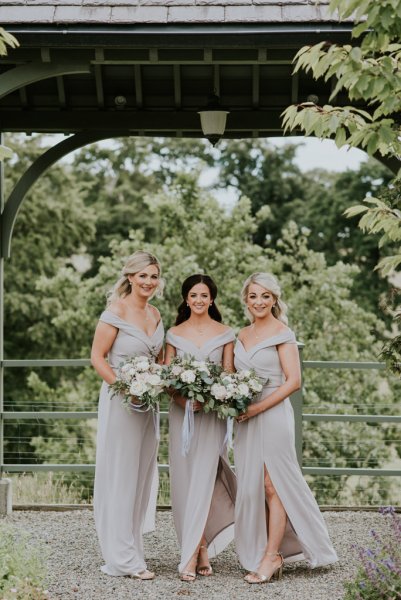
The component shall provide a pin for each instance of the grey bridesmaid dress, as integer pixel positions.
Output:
(269, 439)
(203, 485)
(126, 469)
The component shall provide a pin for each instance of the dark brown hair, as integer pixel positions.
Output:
(184, 312)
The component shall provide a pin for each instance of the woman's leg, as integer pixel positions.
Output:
(276, 520)
(203, 565)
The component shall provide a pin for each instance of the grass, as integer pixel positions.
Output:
(45, 488)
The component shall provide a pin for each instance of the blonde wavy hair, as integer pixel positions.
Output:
(135, 263)
(270, 283)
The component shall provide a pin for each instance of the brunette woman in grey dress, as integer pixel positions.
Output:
(276, 514)
(202, 483)
(126, 469)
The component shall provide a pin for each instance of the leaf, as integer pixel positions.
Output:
(341, 137)
(5, 152)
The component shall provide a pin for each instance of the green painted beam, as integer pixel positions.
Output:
(351, 471)
(18, 415)
(164, 121)
(352, 418)
(332, 364)
(30, 73)
(28, 468)
(31, 175)
(57, 362)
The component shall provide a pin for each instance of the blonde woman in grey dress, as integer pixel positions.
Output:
(126, 469)
(202, 482)
(276, 514)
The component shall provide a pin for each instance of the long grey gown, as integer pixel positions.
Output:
(202, 483)
(269, 439)
(126, 455)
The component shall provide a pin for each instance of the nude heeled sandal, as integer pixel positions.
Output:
(144, 575)
(207, 568)
(278, 572)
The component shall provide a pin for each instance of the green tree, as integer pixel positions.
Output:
(369, 72)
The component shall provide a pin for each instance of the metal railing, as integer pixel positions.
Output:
(296, 398)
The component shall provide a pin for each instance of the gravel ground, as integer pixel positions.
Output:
(69, 539)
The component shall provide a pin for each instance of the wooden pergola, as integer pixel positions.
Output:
(97, 69)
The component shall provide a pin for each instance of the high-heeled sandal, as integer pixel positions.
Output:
(278, 573)
(144, 575)
(187, 576)
(207, 568)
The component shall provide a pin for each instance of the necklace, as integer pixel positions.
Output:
(255, 334)
(200, 330)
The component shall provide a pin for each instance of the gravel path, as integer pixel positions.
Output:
(74, 561)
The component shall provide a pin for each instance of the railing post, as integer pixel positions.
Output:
(297, 405)
(5, 484)
(1, 315)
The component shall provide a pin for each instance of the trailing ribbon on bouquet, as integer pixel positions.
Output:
(228, 439)
(188, 425)
(143, 408)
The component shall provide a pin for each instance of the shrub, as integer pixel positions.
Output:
(22, 568)
(379, 574)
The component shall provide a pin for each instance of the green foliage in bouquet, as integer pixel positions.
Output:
(192, 378)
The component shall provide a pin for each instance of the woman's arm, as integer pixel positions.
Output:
(176, 396)
(169, 354)
(103, 340)
(228, 358)
(289, 359)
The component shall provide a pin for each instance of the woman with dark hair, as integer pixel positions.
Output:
(203, 485)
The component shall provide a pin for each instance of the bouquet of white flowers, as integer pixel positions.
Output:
(232, 393)
(139, 377)
(193, 379)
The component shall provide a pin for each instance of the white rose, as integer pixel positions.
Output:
(228, 379)
(231, 390)
(132, 372)
(243, 374)
(143, 365)
(188, 376)
(255, 385)
(154, 379)
(176, 370)
(200, 365)
(243, 389)
(126, 368)
(138, 388)
(218, 391)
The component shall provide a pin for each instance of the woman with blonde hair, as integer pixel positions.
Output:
(276, 515)
(126, 454)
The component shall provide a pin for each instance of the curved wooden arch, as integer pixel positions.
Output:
(26, 74)
(31, 175)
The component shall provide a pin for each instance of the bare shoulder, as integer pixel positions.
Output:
(117, 307)
(155, 312)
(243, 332)
(221, 328)
(177, 329)
(283, 329)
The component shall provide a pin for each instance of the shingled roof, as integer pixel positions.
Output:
(115, 12)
